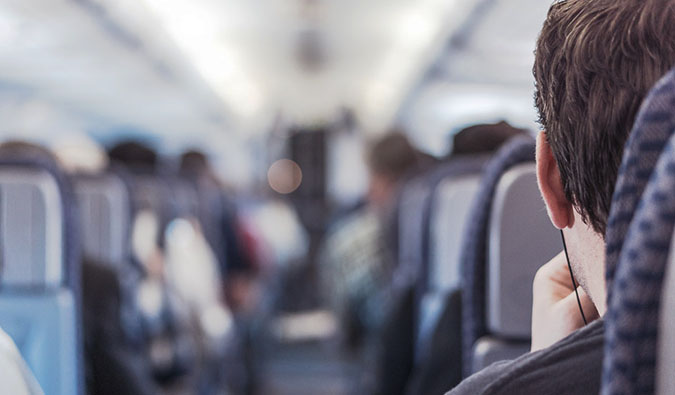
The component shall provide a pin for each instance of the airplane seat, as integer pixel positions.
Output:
(639, 323)
(437, 315)
(453, 186)
(665, 381)
(639, 234)
(413, 197)
(106, 222)
(520, 240)
(498, 257)
(411, 310)
(40, 278)
(105, 208)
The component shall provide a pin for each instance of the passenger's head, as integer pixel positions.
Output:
(135, 155)
(595, 61)
(483, 138)
(389, 160)
(24, 149)
(194, 162)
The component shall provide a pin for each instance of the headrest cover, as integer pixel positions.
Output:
(31, 225)
(473, 261)
(632, 316)
(36, 160)
(513, 259)
(654, 125)
(105, 209)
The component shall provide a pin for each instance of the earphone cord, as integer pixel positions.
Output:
(574, 283)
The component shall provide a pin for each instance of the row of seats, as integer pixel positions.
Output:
(40, 294)
(49, 222)
(472, 234)
(470, 274)
(465, 250)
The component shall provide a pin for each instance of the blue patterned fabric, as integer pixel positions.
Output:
(633, 311)
(653, 127)
(638, 235)
(474, 249)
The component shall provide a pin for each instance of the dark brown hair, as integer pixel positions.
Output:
(595, 61)
(483, 138)
(393, 156)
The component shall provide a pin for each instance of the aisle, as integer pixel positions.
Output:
(308, 369)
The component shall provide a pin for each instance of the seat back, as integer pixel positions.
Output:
(630, 322)
(474, 259)
(665, 363)
(38, 294)
(105, 214)
(412, 201)
(518, 217)
(449, 213)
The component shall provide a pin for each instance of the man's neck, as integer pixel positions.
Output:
(587, 255)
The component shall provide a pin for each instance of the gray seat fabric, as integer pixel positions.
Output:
(39, 298)
(474, 248)
(418, 309)
(105, 209)
(412, 201)
(518, 216)
(665, 363)
(632, 320)
(654, 126)
(449, 211)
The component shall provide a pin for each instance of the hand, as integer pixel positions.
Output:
(555, 311)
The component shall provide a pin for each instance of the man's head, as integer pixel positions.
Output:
(134, 155)
(389, 159)
(595, 61)
(194, 162)
(483, 138)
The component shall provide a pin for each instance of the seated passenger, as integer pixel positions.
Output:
(354, 263)
(595, 62)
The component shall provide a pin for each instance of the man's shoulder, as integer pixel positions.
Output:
(571, 366)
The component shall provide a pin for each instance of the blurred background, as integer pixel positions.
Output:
(263, 147)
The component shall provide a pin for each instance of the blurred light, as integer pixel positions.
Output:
(216, 321)
(180, 233)
(318, 324)
(197, 27)
(77, 152)
(9, 30)
(278, 226)
(150, 298)
(417, 29)
(144, 235)
(284, 176)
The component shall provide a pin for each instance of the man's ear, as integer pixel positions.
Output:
(560, 210)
